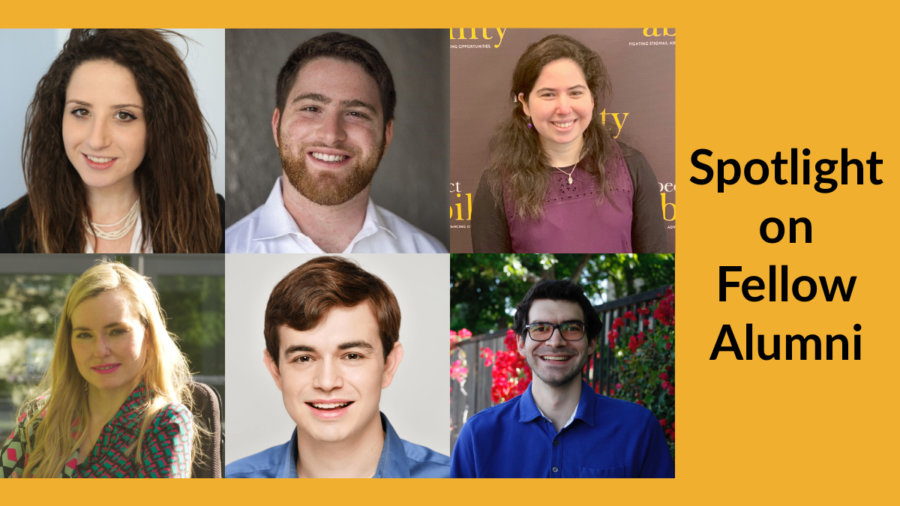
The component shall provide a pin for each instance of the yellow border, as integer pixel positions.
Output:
(752, 78)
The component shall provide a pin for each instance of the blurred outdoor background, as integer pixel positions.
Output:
(32, 291)
(633, 358)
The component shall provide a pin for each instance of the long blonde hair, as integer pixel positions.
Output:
(61, 410)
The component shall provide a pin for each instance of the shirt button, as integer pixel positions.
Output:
(556, 442)
(555, 469)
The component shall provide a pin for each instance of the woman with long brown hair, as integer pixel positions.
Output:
(557, 182)
(115, 154)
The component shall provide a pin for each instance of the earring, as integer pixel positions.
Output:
(529, 122)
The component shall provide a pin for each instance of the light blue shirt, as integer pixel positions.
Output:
(399, 459)
(270, 228)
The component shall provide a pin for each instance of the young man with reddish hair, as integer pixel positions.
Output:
(331, 332)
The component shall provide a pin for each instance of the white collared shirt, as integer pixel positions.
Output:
(270, 228)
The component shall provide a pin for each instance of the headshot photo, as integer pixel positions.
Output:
(336, 366)
(337, 141)
(565, 369)
(114, 141)
(574, 150)
(111, 367)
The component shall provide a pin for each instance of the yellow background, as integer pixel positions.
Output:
(752, 78)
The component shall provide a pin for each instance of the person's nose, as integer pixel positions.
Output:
(556, 339)
(99, 135)
(327, 376)
(563, 105)
(101, 346)
(331, 129)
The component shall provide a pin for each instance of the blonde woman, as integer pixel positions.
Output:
(113, 400)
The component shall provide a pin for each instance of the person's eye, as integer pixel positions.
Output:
(573, 327)
(353, 356)
(79, 112)
(118, 331)
(125, 116)
(358, 114)
(301, 359)
(541, 327)
(82, 335)
(310, 108)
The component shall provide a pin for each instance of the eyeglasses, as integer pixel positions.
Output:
(570, 331)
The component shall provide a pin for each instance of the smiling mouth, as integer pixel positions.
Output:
(329, 406)
(328, 158)
(555, 358)
(106, 368)
(563, 124)
(99, 159)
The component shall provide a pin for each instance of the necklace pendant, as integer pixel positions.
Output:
(570, 179)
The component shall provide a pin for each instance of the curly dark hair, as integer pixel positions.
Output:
(179, 208)
(558, 289)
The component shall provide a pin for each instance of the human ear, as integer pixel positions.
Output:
(520, 344)
(391, 362)
(388, 135)
(522, 101)
(276, 119)
(272, 367)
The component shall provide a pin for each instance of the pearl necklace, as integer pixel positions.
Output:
(125, 224)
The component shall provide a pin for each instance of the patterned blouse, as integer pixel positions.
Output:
(165, 452)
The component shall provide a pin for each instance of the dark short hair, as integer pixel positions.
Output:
(310, 291)
(561, 289)
(343, 47)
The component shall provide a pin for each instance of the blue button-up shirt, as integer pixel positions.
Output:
(608, 438)
(399, 459)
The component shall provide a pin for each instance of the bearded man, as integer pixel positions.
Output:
(332, 123)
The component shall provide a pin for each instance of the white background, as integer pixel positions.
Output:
(417, 403)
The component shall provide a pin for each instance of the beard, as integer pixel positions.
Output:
(327, 188)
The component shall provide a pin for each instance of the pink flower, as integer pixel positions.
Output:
(488, 355)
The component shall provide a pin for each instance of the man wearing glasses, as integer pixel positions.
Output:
(559, 428)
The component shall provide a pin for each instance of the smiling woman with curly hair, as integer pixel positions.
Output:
(115, 154)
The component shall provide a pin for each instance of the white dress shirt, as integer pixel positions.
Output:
(270, 228)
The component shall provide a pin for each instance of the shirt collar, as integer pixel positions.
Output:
(584, 411)
(275, 221)
(391, 464)
(131, 412)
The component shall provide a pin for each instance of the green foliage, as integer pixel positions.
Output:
(194, 308)
(484, 289)
(644, 350)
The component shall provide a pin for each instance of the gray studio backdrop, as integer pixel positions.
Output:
(417, 402)
(412, 178)
(26, 56)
